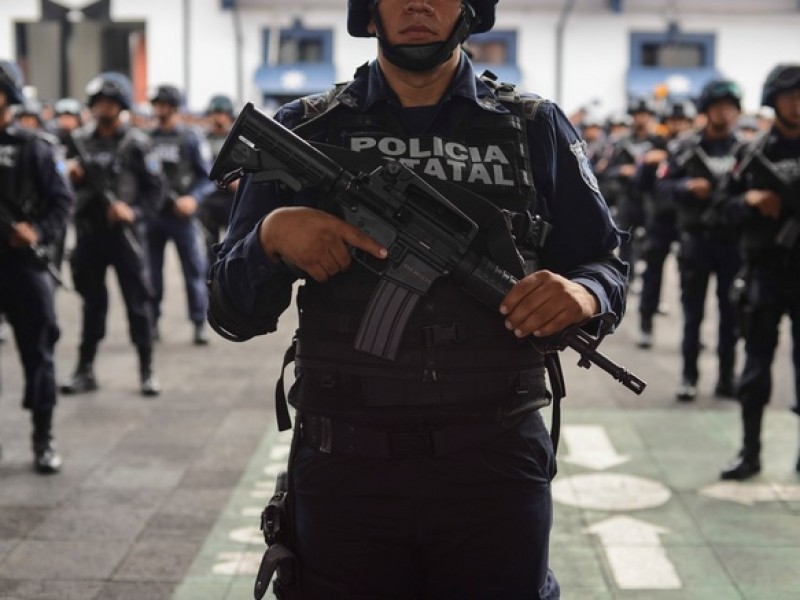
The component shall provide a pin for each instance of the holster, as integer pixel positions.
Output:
(277, 527)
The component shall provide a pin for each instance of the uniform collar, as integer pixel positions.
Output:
(370, 87)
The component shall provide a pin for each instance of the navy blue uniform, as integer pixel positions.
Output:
(708, 246)
(406, 519)
(33, 189)
(215, 210)
(631, 197)
(771, 261)
(186, 160)
(121, 167)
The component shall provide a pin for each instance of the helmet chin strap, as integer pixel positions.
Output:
(424, 57)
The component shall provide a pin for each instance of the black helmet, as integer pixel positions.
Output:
(680, 109)
(168, 94)
(719, 89)
(476, 16)
(68, 106)
(220, 103)
(780, 79)
(111, 85)
(11, 81)
(637, 105)
(359, 14)
(30, 107)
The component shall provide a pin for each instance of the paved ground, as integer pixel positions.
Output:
(159, 498)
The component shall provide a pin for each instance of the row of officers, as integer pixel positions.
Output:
(733, 205)
(127, 192)
(729, 200)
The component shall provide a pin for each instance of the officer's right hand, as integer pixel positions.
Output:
(766, 202)
(699, 187)
(75, 171)
(313, 240)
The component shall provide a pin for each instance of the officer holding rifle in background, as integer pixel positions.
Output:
(765, 189)
(35, 203)
(119, 184)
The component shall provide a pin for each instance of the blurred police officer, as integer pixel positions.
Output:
(660, 229)
(766, 199)
(119, 184)
(630, 176)
(35, 202)
(698, 166)
(186, 160)
(215, 209)
(68, 113)
(29, 114)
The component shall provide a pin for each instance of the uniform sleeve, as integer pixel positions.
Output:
(672, 179)
(200, 157)
(150, 185)
(52, 185)
(584, 238)
(247, 291)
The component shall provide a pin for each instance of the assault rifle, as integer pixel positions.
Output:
(426, 235)
(36, 253)
(98, 181)
(763, 173)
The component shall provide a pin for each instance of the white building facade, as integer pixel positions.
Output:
(578, 52)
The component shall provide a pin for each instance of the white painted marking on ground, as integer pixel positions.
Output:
(750, 493)
(589, 446)
(635, 555)
(237, 563)
(610, 492)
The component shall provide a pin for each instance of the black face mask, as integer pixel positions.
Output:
(424, 57)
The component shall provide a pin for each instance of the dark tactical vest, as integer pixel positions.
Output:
(105, 162)
(170, 147)
(18, 194)
(456, 357)
(771, 163)
(699, 217)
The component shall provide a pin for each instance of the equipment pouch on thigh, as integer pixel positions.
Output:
(277, 528)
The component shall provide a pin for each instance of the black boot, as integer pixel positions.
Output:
(645, 338)
(150, 385)
(83, 379)
(46, 460)
(725, 387)
(200, 334)
(747, 463)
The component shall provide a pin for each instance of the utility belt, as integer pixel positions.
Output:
(340, 437)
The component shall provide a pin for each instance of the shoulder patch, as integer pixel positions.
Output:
(578, 148)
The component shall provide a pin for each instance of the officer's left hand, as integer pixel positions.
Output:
(545, 303)
(185, 206)
(653, 157)
(22, 236)
(120, 212)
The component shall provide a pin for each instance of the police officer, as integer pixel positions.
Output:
(214, 211)
(119, 184)
(186, 159)
(660, 230)
(68, 114)
(630, 176)
(35, 202)
(766, 199)
(408, 472)
(697, 167)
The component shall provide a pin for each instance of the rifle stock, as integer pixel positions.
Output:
(427, 235)
(98, 181)
(36, 253)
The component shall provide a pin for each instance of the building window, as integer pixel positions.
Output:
(493, 48)
(672, 49)
(298, 45)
